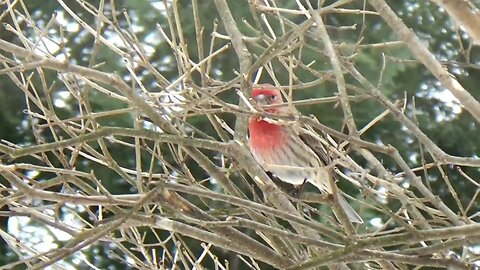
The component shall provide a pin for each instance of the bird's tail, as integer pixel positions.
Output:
(349, 211)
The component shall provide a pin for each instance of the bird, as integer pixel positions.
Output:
(292, 156)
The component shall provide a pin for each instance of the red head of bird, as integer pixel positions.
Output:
(265, 95)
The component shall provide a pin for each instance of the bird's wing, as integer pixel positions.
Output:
(316, 143)
(319, 145)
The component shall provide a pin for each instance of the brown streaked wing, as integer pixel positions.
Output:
(316, 146)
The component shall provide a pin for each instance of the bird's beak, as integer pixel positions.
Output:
(261, 99)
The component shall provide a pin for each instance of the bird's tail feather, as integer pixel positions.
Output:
(349, 211)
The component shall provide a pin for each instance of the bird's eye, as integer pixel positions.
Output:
(273, 97)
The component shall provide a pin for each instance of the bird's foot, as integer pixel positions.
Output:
(298, 190)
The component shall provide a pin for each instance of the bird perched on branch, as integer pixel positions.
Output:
(294, 157)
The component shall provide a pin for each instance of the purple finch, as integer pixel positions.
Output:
(290, 155)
